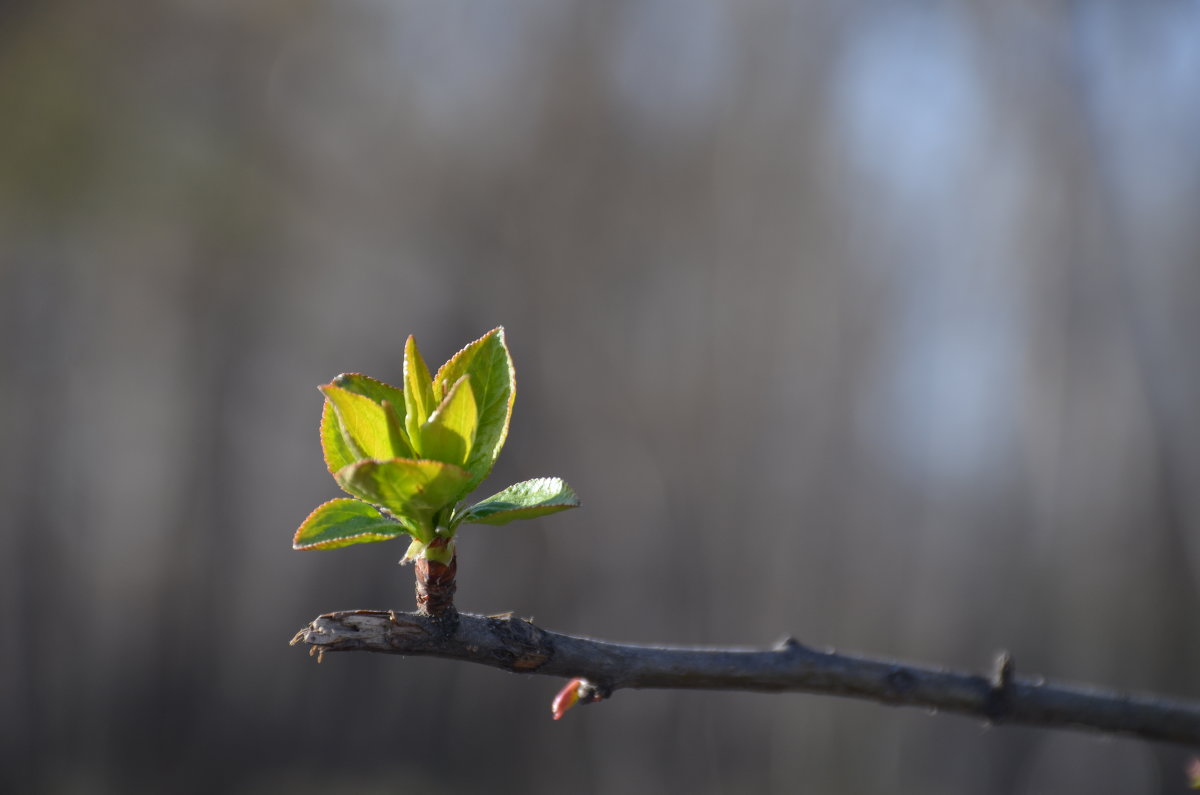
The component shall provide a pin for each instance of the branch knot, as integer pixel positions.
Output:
(999, 698)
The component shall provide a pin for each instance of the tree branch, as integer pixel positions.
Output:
(516, 645)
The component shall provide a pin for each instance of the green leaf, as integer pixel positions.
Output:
(493, 384)
(419, 401)
(396, 433)
(364, 424)
(363, 385)
(342, 522)
(450, 431)
(412, 490)
(416, 549)
(525, 500)
(333, 442)
(383, 394)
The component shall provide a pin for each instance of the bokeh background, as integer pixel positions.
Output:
(871, 323)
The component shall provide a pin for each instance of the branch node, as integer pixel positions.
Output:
(999, 697)
(527, 649)
(590, 692)
(788, 644)
(901, 681)
(1003, 670)
(443, 624)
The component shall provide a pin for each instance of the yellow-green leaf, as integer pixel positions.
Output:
(383, 394)
(525, 500)
(413, 490)
(397, 436)
(419, 401)
(493, 384)
(450, 430)
(342, 522)
(363, 423)
(369, 387)
(333, 441)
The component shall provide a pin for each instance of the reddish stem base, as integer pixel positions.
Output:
(435, 583)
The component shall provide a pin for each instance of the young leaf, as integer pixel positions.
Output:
(450, 431)
(382, 394)
(363, 385)
(493, 383)
(416, 549)
(337, 450)
(364, 424)
(396, 433)
(413, 490)
(342, 522)
(419, 401)
(525, 500)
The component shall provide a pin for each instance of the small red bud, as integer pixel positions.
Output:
(566, 698)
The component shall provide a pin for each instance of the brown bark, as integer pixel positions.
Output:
(436, 584)
(516, 645)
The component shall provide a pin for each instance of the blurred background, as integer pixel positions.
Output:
(872, 324)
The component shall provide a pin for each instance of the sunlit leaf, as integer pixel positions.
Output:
(525, 500)
(363, 422)
(493, 384)
(411, 489)
(419, 401)
(382, 394)
(333, 441)
(369, 387)
(450, 431)
(409, 455)
(397, 436)
(342, 522)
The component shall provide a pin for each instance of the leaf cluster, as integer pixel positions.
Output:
(407, 455)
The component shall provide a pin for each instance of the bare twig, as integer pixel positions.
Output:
(516, 645)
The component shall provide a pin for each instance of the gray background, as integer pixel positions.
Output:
(870, 323)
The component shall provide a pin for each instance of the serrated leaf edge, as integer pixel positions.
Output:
(327, 406)
(401, 530)
(334, 382)
(497, 331)
(438, 378)
(340, 541)
(414, 398)
(571, 502)
(549, 508)
(354, 444)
